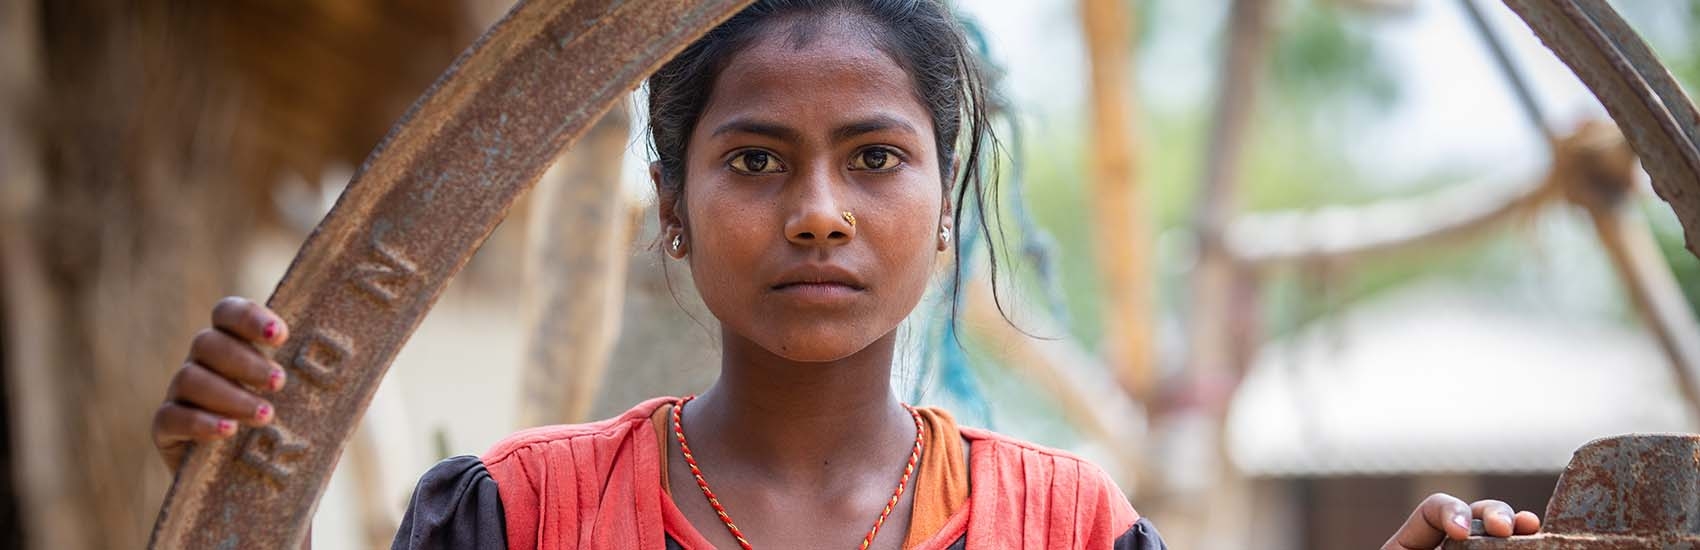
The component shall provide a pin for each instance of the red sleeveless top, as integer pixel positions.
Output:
(602, 485)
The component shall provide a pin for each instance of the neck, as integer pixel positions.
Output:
(800, 420)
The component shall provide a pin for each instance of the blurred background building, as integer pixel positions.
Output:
(1403, 293)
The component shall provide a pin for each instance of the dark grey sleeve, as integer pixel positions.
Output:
(1142, 536)
(455, 506)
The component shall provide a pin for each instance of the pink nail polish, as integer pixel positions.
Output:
(270, 331)
(1461, 521)
(275, 382)
(226, 427)
(263, 413)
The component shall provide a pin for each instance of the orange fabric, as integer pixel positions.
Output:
(602, 485)
(941, 485)
(662, 419)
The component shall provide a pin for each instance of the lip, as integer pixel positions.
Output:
(821, 284)
(825, 275)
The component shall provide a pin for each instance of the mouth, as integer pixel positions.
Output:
(820, 284)
(828, 295)
(817, 285)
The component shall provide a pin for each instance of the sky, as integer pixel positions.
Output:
(1456, 109)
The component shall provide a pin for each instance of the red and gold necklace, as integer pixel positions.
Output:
(908, 470)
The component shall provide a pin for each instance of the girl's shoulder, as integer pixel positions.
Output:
(1023, 489)
(998, 450)
(1008, 467)
(978, 436)
(558, 437)
(557, 482)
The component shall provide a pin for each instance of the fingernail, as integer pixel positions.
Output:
(263, 412)
(270, 331)
(226, 427)
(275, 382)
(1461, 521)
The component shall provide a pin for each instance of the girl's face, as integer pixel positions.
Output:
(796, 134)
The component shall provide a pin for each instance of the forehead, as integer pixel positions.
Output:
(815, 69)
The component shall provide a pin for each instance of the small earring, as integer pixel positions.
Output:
(944, 235)
(678, 241)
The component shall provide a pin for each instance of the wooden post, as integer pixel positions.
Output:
(668, 341)
(114, 258)
(26, 315)
(1195, 426)
(1121, 220)
(1596, 169)
(575, 270)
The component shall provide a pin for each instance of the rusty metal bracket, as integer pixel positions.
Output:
(1637, 90)
(1632, 491)
(422, 203)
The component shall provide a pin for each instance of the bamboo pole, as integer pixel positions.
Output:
(1657, 297)
(575, 272)
(1597, 170)
(1249, 33)
(1332, 234)
(1120, 219)
(1218, 496)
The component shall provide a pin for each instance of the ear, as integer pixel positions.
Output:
(668, 212)
(947, 224)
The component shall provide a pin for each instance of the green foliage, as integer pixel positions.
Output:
(1678, 43)
(1326, 60)
(1682, 262)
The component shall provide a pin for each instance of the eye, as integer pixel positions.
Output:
(755, 161)
(876, 159)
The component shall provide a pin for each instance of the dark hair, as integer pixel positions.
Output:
(924, 38)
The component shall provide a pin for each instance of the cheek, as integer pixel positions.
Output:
(726, 231)
(909, 234)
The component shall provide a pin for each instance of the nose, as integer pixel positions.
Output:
(815, 217)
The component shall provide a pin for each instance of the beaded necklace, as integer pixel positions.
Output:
(908, 470)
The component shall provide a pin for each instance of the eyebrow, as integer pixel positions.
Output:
(746, 126)
(868, 125)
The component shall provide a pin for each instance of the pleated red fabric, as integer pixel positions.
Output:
(1027, 496)
(593, 485)
(599, 486)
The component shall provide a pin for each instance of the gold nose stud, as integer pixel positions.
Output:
(849, 218)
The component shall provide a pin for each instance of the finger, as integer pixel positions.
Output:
(175, 426)
(249, 321)
(1527, 523)
(1440, 516)
(199, 387)
(235, 359)
(1496, 517)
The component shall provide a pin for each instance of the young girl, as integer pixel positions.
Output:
(812, 156)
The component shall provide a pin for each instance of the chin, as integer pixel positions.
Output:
(818, 344)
